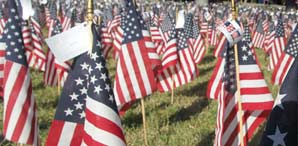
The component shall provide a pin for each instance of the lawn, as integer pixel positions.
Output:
(189, 121)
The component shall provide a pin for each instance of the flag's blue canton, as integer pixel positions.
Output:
(182, 41)
(188, 25)
(245, 54)
(292, 46)
(57, 28)
(280, 32)
(281, 128)
(132, 30)
(173, 33)
(71, 106)
(53, 10)
(230, 71)
(246, 34)
(260, 27)
(155, 9)
(99, 87)
(166, 24)
(108, 15)
(15, 51)
(196, 30)
(36, 15)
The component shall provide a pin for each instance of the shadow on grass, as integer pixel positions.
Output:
(185, 113)
(208, 70)
(207, 140)
(207, 59)
(196, 90)
(40, 85)
(132, 120)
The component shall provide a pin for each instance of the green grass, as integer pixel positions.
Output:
(190, 121)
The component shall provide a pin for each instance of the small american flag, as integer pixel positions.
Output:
(259, 36)
(170, 56)
(286, 59)
(67, 21)
(199, 48)
(134, 79)
(2, 22)
(269, 46)
(20, 118)
(38, 59)
(255, 96)
(102, 125)
(280, 40)
(212, 37)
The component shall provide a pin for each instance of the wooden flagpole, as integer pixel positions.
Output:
(143, 109)
(59, 82)
(173, 80)
(237, 94)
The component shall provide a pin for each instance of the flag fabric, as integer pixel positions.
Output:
(212, 37)
(286, 59)
(168, 33)
(47, 15)
(259, 36)
(67, 21)
(68, 124)
(199, 48)
(281, 128)
(269, 47)
(2, 22)
(219, 47)
(255, 97)
(134, 79)
(20, 116)
(279, 41)
(102, 125)
(38, 58)
(2, 62)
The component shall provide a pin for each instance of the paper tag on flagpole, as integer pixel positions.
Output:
(71, 43)
(180, 20)
(27, 9)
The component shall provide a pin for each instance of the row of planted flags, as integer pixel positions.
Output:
(156, 47)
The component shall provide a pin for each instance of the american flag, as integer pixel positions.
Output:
(114, 23)
(106, 41)
(156, 34)
(53, 68)
(38, 58)
(133, 79)
(286, 59)
(259, 36)
(102, 125)
(47, 15)
(199, 48)
(212, 37)
(170, 56)
(2, 22)
(219, 47)
(67, 21)
(68, 124)
(26, 35)
(20, 118)
(269, 46)
(279, 40)
(281, 128)
(255, 96)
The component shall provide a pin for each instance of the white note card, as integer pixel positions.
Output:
(71, 43)
(27, 9)
(180, 19)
